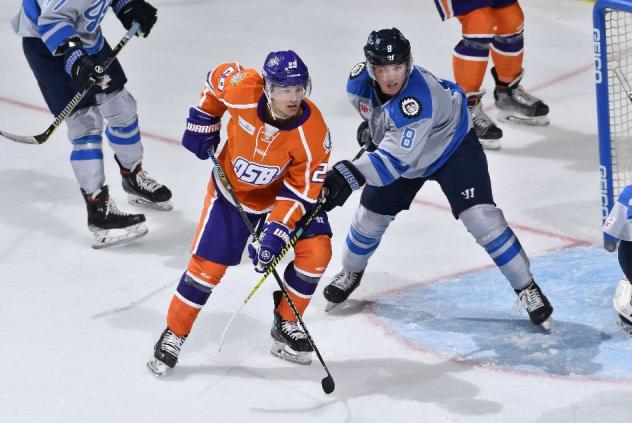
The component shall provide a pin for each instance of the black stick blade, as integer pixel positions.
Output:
(328, 384)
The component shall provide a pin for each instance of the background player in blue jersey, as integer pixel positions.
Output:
(64, 46)
(419, 130)
(619, 225)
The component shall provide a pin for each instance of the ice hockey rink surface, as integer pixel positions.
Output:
(431, 335)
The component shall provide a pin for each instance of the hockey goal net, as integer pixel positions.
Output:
(612, 36)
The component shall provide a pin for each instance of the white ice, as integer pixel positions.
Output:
(77, 325)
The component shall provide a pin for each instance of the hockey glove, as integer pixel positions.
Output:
(80, 66)
(130, 11)
(364, 137)
(274, 237)
(340, 182)
(202, 133)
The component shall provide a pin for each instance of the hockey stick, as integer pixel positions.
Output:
(70, 107)
(327, 383)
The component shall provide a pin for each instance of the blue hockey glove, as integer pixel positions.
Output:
(202, 133)
(340, 182)
(364, 137)
(273, 238)
(130, 11)
(80, 66)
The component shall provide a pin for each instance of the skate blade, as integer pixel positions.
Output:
(135, 200)
(493, 145)
(330, 306)
(158, 368)
(104, 238)
(524, 120)
(547, 325)
(281, 350)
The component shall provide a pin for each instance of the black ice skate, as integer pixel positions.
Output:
(290, 342)
(143, 190)
(166, 353)
(516, 105)
(537, 305)
(109, 225)
(488, 133)
(341, 286)
(622, 302)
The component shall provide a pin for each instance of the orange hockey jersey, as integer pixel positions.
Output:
(274, 170)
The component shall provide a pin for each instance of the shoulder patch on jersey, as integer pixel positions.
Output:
(357, 70)
(410, 107)
(609, 222)
(236, 79)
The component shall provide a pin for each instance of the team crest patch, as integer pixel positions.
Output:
(365, 109)
(357, 70)
(236, 79)
(410, 107)
(609, 222)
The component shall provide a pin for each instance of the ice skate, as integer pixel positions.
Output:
(516, 105)
(486, 130)
(166, 353)
(622, 302)
(341, 286)
(108, 224)
(290, 342)
(143, 190)
(537, 305)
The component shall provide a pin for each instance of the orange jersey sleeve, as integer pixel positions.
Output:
(219, 92)
(305, 174)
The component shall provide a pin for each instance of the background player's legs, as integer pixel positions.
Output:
(465, 181)
(469, 62)
(507, 53)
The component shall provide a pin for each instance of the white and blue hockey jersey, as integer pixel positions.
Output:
(619, 221)
(416, 131)
(54, 21)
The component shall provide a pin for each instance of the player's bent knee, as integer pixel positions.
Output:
(312, 255)
(484, 221)
(509, 20)
(206, 270)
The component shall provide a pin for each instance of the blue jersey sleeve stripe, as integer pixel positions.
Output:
(54, 37)
(32, 10)
(386, 177)
(397, 164)
(98, 45)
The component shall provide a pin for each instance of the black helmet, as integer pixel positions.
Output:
(387, 47)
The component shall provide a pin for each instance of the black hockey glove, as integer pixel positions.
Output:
(340, 182)
(130, 11)
(80, 66)
(364, 137)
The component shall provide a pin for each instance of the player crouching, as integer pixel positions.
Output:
(275, 159)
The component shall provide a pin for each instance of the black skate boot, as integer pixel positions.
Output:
(536, 304)
(488, 133)
(341, 286)
(516, 105)
(166, 353)
(290, 342)
(109, 225)
(143, 190)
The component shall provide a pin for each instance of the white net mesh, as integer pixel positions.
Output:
(619, 50)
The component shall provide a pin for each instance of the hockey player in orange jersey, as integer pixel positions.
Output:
(496, 26)
(275, 158)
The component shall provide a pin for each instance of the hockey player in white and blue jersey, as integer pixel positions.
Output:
(418, 129)
(619, 225)
(64, 46)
